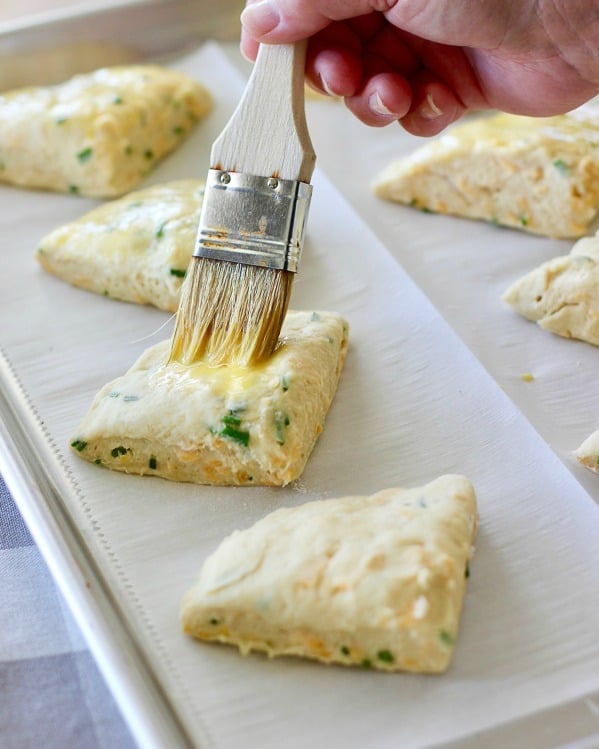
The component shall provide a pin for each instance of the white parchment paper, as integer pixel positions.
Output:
(431, 385)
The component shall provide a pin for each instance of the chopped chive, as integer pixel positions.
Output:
(426, 209)
(179, 130)
(160, 231)
(445, 637)
(128, 150)
(85, 155)
(285, 382)
(214, 621)
(120, 450)
(366, 663)
(523, 220)
(106, 292)
(344, 650)
(467, 570)
(98, 462)
(231, 419)
(152, 463)
(315, 317)
(74, 189)
(117, 100)
(281, 421)
(561, 166)
(149, 154)
(79, 445)
(61, 120)
(236, 434)
(178, 272)
(386, 656)
(130, 398)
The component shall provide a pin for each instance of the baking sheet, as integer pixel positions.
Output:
(423, 392)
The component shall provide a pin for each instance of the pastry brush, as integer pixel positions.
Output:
(237, 288)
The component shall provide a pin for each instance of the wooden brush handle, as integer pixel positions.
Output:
(267, 135)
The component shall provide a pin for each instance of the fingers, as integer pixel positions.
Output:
(385, 98)
(434, 107)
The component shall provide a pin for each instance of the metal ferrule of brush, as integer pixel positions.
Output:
(253, 220)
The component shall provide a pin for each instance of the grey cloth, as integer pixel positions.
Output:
(51, 692)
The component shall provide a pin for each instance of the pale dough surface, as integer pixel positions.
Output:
(562, 295)
(98, 134)
(136, 248)
(220, 425)
(376, 581)
(538, 175)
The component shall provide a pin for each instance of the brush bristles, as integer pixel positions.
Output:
(230, 313)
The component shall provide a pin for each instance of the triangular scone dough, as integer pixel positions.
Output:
(220, 425)
(136, 248)
(540, 175)
(588, 452)
(562, 295)
(98, 134)
(373, 581)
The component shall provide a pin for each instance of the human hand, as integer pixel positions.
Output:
(425, 62)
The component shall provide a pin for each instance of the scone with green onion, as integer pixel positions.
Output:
(226, 425)
(136, 248)
(374, 581)
(537, 174)
(562, 294)
(98, 134)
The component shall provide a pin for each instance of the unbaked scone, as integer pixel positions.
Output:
(220, 425)
(539, 175)
(98, 134)
(376, 581)
(136, 248)
(588, 452)
(562, 295)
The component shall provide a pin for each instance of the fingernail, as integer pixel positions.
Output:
(326, 88)
(260, 18)
(429, 110)
(376, 105)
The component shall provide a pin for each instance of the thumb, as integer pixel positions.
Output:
(280, 21)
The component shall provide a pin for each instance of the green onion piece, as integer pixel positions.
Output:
(386, 656)
(160, 230)
(128, 150)
(523, 220)
(561, 166)
(236, 434)
(285, 382)
(178, 272)
(117, 100)
(231, 419)
(79, 445)
(366, 663)
(74, 189)
(179, 130)
(281, 420)
(120, 450)
(344, 650)
(85, 155)
(61, 120)
(98, 462)
(152, 463)
(149, 154)
(445, 637)
(467, 570)
(214, 621)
